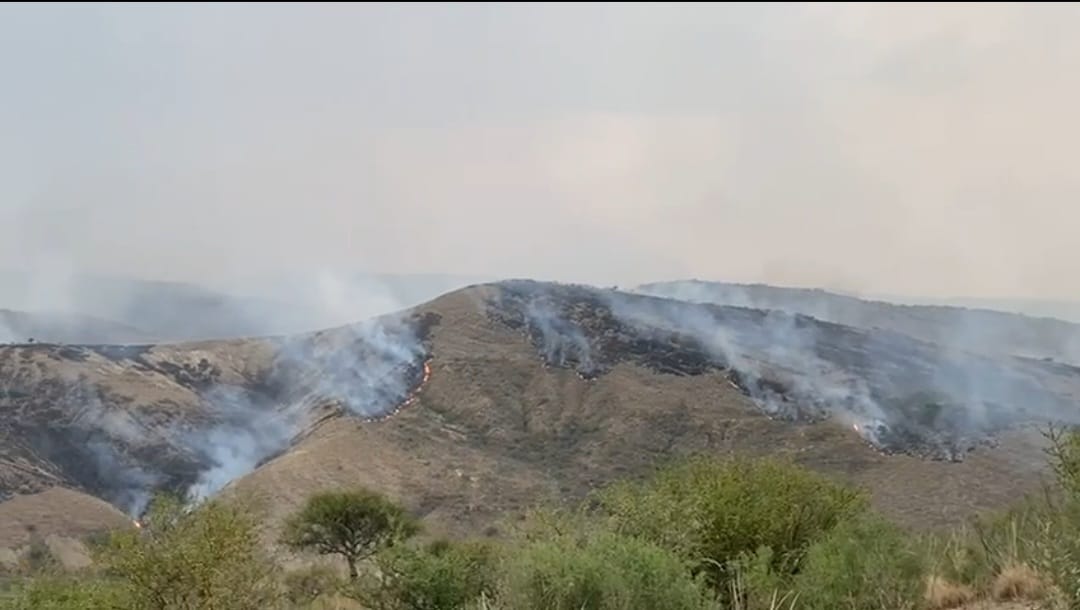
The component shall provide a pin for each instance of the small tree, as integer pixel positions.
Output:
(207, 557)
(354, 524)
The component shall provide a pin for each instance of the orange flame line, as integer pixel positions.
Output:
(409, 400)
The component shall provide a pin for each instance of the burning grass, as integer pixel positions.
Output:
(905, 395)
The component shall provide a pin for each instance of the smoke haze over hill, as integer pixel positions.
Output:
(920, 150)
(207, 208)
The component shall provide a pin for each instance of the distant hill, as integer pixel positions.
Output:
(1062, 310)
(155, 311)
(979, 330)
(21, 327)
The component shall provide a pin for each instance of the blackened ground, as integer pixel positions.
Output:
(583, 312)
(911, 396)
(115, 442)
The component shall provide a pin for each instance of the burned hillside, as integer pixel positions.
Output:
(902, 394)
(575, 327)
(120, 421)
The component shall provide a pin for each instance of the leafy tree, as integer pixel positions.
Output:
(206, 558)
(354, 524)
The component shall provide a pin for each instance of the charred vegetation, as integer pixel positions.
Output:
(901, 394)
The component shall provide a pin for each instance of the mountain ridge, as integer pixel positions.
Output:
(487, 399)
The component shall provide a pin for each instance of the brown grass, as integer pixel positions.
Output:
(942, 594)
(495, 431)
(1018, 582)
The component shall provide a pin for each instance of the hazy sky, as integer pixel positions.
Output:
(924, 150)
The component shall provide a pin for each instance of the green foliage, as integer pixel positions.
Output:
(700, 535)
(439, 576)
(1064, 454)
(713, 512)
(208, 558)
(354, 524)
(304, 586)
(38, 558)
(63, 593)
(598, 570)
(1041, 532)
(754, 583)
(862, 564)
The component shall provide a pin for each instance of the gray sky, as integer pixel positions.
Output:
(922, 150)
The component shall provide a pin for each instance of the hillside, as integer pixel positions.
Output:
(21, 326)
(521, 391)
(964, 328)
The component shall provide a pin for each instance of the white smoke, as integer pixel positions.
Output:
(359, 368)
(562, 341)
(895, 390)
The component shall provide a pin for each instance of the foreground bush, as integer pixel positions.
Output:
(439, 576)
(209, 558)
(711, 512)
(304, 586)
(64, 593)
(863, 564)
(1030, 551)
(701, 535)
(600, 571)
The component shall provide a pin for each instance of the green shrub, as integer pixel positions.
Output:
(597, 571)
(208, 558)
(863, 564)
(1064, 454)
(63, 593)
(304, 586)
(712, 512)
(439, 576)
(38, 558)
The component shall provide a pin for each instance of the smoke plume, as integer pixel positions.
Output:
(901, 393)
(364, 370)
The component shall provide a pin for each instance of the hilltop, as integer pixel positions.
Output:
(22, 326)
(491, 398)
(102, 309)
(967, 328)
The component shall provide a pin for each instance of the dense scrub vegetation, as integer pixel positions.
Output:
(703, 534)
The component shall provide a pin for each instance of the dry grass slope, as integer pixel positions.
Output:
(495, 431)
